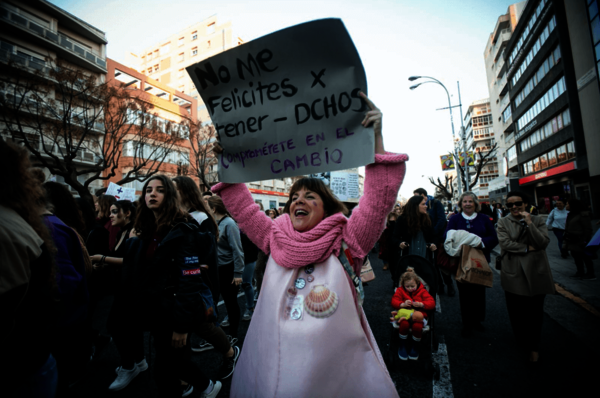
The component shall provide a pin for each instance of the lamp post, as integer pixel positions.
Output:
(457, 160)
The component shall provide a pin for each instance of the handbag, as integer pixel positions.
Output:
(366, 273)
(474, 268)
(447, 264)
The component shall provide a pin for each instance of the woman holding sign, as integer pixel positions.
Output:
(309, 320)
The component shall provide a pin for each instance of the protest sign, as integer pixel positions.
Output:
(447, 162)
(121, 193)
(288, 103)
(344, 184)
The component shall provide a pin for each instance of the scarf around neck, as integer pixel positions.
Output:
(293, 249)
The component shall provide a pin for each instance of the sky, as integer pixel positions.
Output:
(396, 39)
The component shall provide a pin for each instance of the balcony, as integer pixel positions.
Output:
(62, 44)
(503, 38)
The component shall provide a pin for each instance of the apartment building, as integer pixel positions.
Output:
(35, 35)
(552, 75)
(496, 69)
(170, 111)
(165, 61)
(480, 138)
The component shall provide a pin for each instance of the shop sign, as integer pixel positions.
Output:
(548, 173)
(263, 192)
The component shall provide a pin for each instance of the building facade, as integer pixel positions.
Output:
(552, 76)
(37, 36)
(480, 138)
(165, 61)
(171, 112)
(496, 69)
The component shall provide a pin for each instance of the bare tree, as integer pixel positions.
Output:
(79, 127)
(202, 161)
(443, 189)
(482, 158)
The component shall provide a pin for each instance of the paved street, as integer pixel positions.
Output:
(484, 365)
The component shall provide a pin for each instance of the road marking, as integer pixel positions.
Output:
(577, 300)
(442, 388)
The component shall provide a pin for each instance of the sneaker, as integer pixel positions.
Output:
(228, 365)
(225, 322)
(187, 390)
(142, 365)
(124, 377)
(590, 277)
(414, 353)
(202, 345)
(232, 340)
(247, 315)
(216, 388)
(402, 354)
(577, 275)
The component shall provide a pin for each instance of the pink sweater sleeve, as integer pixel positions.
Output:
(382, 182)
(252, 221)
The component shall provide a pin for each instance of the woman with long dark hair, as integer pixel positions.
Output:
(163, 271)
(413, 232)
(192, 202)
(578, 232)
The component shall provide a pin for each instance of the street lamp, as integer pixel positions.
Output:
(457, 161)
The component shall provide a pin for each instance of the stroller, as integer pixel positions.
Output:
(429, 342)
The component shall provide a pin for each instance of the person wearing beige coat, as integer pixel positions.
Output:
(526, 276)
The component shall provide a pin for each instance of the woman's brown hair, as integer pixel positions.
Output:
(414, 218)
(216, 203)
(330, 203)
(146, 224)
(104, 203)
(190, 193)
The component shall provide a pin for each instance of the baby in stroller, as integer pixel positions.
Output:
(411, 300)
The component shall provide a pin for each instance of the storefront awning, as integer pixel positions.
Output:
(548, 173)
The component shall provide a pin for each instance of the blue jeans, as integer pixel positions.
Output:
(559, 233)
(247, 284)
(40, 384)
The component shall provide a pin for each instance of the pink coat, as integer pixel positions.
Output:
(336, 356)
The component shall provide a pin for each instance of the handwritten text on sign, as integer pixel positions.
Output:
(287, 103)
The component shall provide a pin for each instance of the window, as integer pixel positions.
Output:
(149, 55)
(149, 70)
(195, 35)
(561, 153)
(570, 150)
(180, 73)
(511, 153)
(180, 57)
(165, 49)
(180, 41)
(534, 50)
(156, 68)
(543, 162)
(155, 53)
(506, 114)
(543, 103)
(194, 51)
(208, 44)
(210, 29)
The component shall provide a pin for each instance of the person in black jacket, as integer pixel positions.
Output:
(437, 215)
(413, 232)
(163, 267)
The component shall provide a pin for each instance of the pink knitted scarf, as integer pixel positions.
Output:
(293, 249)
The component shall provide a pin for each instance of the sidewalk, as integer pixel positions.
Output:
(563, 268)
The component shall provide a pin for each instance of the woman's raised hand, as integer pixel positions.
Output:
(374, 117)
(403, 245)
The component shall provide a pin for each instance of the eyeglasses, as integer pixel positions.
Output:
(509, 205)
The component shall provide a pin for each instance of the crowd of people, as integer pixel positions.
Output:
(422, 228)
(169, 257)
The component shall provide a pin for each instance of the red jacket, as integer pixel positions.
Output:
(420, 295)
